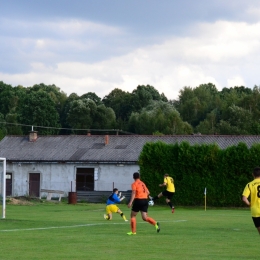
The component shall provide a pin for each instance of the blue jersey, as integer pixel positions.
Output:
(113, 199)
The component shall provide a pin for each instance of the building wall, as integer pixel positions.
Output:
(56, 176)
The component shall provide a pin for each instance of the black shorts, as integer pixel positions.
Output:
(256, 221)
(140, 205)
(168, 194)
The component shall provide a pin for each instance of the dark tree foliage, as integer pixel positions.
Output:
(38, 109)
(223, 172)
(202, 109)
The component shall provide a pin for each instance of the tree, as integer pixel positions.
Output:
(195, 104)
(158, 117)
(122, 104)
(92, 96)
(64, 114)
(208, 125)
(81, 113)
(104, 118)
(12, 126)
(7, 100)
(142, 96)
(85, 114)
(239, 121)
(37, 108)
(58, 96)
(2, 127)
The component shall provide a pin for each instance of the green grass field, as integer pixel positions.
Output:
(65, 231)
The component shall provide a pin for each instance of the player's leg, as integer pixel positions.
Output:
(157, 196)
(122, 214)
(133, 223)
(145, 217)
(256, 221)
(168, 202)
(169, 196)
(108, 215)
(150, 220)
(258, 230)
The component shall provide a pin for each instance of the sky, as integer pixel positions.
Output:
(96, 46)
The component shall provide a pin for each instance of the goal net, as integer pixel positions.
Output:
(3, 162)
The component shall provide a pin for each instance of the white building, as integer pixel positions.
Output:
(81, 163)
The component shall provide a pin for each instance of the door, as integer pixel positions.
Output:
(8, 184)
(85, 179)
(34, 184)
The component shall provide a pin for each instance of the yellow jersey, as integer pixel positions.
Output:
(252, 189)
(169, 184)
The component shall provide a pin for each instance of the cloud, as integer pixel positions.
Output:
(224, 53)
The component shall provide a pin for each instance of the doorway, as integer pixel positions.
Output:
(9, 185)
(34, 184)
(85, 179)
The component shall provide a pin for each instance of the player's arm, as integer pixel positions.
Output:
(131, 199)
(116, 198)
(245, 200)
(163, 184)
(120, 197)
(246, 194)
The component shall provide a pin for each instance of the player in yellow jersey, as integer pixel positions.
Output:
(168, 182)
(252, 189)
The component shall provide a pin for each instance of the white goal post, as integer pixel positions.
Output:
(4, 184)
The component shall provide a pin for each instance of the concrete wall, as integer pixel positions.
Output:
(56, 176)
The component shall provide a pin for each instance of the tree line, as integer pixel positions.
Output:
(203, 109)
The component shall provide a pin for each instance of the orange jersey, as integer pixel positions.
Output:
(141, 191)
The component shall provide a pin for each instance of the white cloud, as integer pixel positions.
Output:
(220, 53)
(235, 81)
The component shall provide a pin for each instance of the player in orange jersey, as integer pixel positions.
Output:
(139, 202)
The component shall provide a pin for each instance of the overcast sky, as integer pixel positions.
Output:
(98, 45)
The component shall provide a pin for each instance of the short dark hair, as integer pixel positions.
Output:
(115, 189)
(166, 174)
(256, 172)
(136, 175)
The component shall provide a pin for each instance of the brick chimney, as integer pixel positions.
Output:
(106, 139)
(32, 135)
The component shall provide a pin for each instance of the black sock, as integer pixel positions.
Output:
(170, 204)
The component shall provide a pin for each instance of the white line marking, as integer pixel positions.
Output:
(76, 226)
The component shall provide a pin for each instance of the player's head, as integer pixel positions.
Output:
(166, 175)
(136, 175)
(115, 190)
(256, 172)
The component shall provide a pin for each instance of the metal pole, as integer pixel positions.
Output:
(4, 185)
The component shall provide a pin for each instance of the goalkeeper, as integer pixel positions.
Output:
(111, 207)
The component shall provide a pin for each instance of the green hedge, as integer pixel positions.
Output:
(224, 172)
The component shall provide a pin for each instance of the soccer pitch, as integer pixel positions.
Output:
(65, 231)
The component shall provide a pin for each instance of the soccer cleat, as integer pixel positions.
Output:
(172, 209)
(157, 226)
(105, 216)
(126, 220)
(131, 233)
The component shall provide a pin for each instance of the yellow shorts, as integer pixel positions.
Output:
(111, 208)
